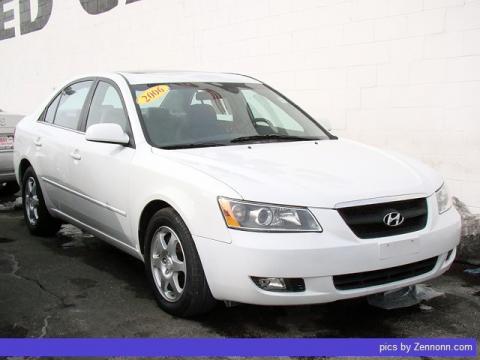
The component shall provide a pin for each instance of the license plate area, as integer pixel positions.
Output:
(6, 142)
(399, 248)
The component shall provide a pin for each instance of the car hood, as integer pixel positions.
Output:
(325, 173)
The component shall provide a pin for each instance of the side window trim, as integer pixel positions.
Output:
(84, 119)
(86, 106)
(44, 112)
(59, 96)
(43, 117)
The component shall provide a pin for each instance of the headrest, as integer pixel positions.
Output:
(115, 116)
(203, 95)
(158, 113)
(201, 113)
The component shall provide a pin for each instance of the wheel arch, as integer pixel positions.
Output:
(22, 167)
(148, 211)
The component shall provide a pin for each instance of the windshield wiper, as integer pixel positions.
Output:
(271, 137)
(192, 145)
(240, 139)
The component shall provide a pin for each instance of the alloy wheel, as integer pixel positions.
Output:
(31, 200)
(168, 264)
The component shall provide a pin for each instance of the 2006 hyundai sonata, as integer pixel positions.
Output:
(229, 191)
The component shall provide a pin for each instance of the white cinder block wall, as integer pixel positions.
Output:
(399, 74)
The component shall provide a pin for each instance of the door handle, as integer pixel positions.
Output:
(38, 142)
(75, 155)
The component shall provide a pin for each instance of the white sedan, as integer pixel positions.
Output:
(229, 191)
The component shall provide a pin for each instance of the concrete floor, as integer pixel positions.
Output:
(74, 285)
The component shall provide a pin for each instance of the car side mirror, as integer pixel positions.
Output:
(107, 133)
(326, 124)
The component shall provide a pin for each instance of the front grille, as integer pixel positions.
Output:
(384, 276)
(366, 221)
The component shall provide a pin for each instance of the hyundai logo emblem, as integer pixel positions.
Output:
(393, 219)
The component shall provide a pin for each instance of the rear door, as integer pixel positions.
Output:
(57, 130)
(99, 172)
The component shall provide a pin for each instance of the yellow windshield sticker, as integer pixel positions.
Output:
(152, 94)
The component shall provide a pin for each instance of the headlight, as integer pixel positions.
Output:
(444, 200)
(251, 216)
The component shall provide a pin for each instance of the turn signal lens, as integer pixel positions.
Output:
(227, 211)
(444, 200)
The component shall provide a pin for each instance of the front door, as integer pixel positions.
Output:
(99, 172)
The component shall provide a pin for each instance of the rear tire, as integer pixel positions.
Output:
(38, 219)
(174, 268)
(9, 188)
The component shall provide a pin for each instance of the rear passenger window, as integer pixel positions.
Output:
(52, 109)
(71, 104)
(107, 107)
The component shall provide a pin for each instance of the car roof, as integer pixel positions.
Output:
(150, 77)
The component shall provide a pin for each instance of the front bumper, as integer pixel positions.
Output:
(7, 172)
(317, 257)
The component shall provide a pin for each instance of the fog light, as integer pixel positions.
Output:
(272, 284)
(279, 284)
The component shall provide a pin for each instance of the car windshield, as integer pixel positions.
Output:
(188, 115)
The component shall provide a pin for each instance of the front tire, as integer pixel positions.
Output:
(37, 217)
(174, 268)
